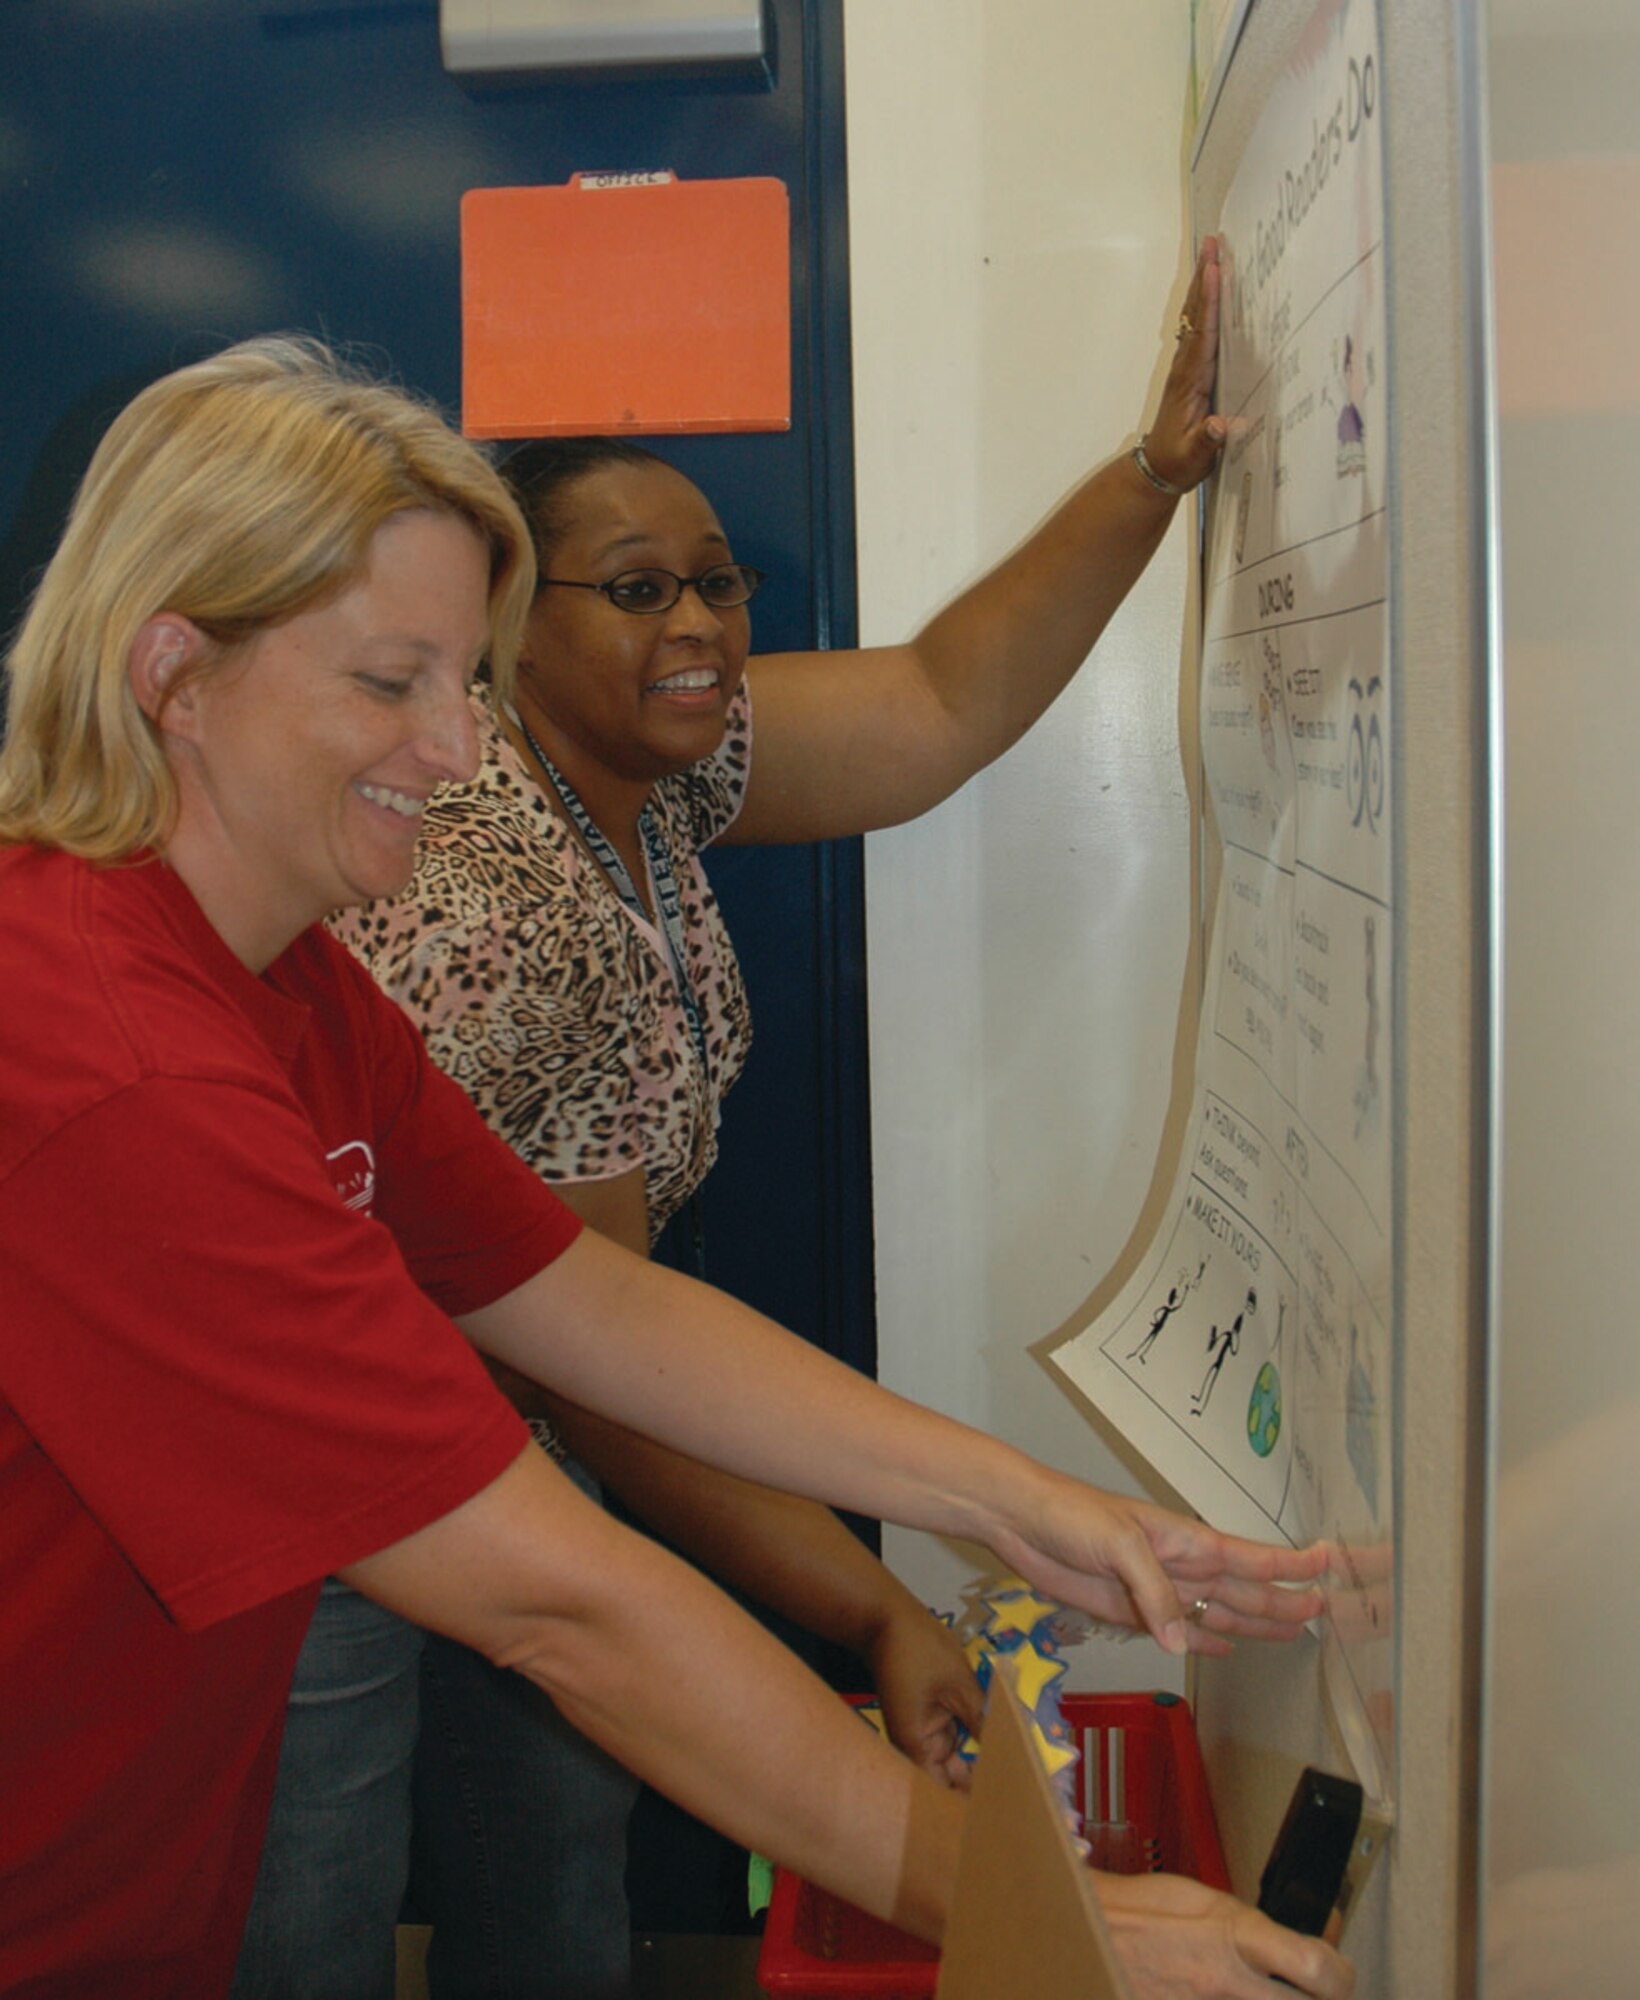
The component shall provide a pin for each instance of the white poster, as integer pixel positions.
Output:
(1249, 1359)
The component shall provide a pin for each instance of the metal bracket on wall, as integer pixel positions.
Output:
(528, 37)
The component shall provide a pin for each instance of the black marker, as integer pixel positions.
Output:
(1304, 1877)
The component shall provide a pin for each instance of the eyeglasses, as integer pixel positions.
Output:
(644, 592)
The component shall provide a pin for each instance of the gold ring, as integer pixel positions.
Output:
(1187, 328)
(1198, 1611)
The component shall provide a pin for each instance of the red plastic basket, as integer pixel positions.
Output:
(816, 1947)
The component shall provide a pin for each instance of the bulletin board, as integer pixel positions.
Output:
(1302, 1350)
(1250, 1360)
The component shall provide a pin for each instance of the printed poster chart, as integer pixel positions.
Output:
(1249, 1359)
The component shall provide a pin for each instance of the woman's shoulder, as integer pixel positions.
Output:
(700, 804)
(493, 843)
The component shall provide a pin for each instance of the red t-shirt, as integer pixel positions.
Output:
(235, 1217)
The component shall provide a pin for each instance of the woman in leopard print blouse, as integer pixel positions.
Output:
(562, 952)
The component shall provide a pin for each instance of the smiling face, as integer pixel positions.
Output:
(617, 700)
(304, 764)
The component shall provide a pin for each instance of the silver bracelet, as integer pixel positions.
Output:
(1155, 478)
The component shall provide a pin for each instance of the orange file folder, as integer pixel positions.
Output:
(626, 303)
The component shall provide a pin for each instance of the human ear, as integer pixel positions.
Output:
(164, 645)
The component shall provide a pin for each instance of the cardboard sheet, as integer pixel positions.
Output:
(1026, 1917)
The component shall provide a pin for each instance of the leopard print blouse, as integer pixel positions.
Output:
(544, 997)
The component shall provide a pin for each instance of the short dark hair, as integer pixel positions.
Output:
(542, 472)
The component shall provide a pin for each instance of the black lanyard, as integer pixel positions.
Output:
(670, 905)
(661, 874)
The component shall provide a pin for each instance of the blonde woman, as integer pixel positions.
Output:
(252, 1239)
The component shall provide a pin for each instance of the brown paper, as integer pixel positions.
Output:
(1026, 1918)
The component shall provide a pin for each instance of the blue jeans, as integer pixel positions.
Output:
(337, 1851)
(518, 1850)
(519, 1853)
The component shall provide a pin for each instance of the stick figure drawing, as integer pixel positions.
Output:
(1221, 1344)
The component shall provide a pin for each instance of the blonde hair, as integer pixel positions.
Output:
(235, 493)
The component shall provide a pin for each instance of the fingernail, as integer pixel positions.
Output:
(1175, 1639)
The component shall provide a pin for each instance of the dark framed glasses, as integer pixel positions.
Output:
(643, 592)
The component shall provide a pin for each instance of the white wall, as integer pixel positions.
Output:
(1018, 244)
(1563, 1775)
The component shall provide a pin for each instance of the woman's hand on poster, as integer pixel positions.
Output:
(1137, 1565)
(1183, 442)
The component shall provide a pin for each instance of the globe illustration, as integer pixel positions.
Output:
(1264, 1411)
